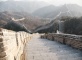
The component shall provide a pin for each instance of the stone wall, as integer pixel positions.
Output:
(12, 44)
(74, 41)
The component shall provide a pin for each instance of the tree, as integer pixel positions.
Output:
(73, 26)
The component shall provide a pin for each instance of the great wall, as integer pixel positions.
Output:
(24, 46)
(12, 44)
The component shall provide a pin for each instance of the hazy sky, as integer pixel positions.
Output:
(56, 2)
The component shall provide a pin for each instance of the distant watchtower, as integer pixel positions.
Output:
(61, 26)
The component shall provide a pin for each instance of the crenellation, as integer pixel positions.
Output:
(12, 44)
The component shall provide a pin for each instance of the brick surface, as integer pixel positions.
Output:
(12, 44)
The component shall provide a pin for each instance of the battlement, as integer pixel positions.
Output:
(12, 44)
(74, 41)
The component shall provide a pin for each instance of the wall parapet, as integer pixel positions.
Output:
(12, 44)
(74, 41)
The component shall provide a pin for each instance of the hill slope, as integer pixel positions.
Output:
(59, 11)
(21, 18)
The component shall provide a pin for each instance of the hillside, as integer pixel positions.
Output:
(53, 12)
(21, 18)
(21, 6)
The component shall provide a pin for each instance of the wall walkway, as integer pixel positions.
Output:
(43, 49)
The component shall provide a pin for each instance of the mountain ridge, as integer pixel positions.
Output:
(74, 9)
(21, 6)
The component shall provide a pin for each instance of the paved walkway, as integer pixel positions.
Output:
(43, 49)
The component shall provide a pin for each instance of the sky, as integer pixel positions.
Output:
(56, 2)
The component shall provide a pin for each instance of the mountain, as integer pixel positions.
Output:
(42, 12)
(21, 6)
(21, 19)
(53, 12)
